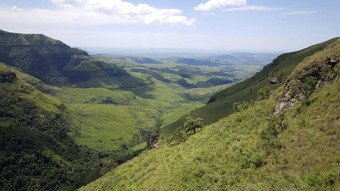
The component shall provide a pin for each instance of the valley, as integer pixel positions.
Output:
(210, 95)
(112, 104)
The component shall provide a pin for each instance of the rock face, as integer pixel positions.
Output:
(151, 139)
(322, 70)
(331, 60)
(7, 76)
(274, 80)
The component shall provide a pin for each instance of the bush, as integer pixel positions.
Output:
(240, 106)
(178, 137)
(181, 134)
(306, 87)
(193, 124)
(263, 93)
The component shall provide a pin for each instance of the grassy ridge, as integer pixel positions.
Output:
(221, 104)
(52, 61)
(248, 150)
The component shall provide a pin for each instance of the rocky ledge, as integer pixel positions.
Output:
(7, 76)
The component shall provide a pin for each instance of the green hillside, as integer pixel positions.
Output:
(221, 104)
(36, 152)
(255, 149)
(56, 63)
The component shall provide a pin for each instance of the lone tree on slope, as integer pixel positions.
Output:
(193, 124)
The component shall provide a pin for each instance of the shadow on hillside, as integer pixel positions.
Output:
(138, 86)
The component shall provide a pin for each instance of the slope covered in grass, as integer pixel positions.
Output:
(221, 104)
(253, 149)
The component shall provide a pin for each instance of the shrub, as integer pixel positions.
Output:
(240, 106)
(263, 93)
(193, 124)
(306, 87)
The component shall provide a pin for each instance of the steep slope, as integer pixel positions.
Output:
(221, 104)
(36, 152)
(53, 61)
(254, 149)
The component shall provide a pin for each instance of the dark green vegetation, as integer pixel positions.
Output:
(191, 126)
(221, 104)
(278, 142)
(35, 151)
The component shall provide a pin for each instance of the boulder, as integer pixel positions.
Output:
(274, 80)
(332, 60)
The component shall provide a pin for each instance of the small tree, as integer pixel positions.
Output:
(279, 120)
(308, 87)
(263, 93)
(193, 124)
(240, 106)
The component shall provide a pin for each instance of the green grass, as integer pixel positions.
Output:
(2, 67)
(107, 127)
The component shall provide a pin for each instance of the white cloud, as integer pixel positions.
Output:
(251, 8)
(301, 12)
(15, 8)
(140, 13)
(216, 4)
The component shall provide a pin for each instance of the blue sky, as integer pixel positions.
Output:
(233, 25)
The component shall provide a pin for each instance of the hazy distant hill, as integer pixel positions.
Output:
(247, 58)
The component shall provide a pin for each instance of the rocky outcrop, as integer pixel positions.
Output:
(322, 70)
(332, 60)
(7, 76)
(152, 138)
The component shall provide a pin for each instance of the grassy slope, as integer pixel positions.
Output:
(231, 155)
(247, 90)
(44, 101)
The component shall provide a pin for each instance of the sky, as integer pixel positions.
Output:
(232, 25)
